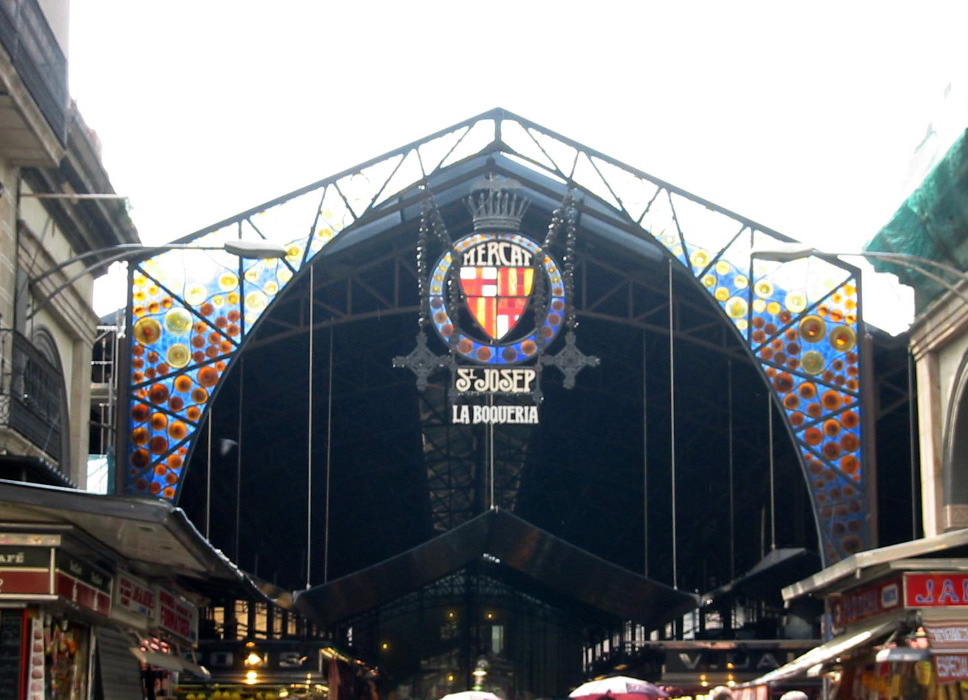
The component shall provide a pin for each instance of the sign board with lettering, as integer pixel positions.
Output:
(82, 583)
(175, 615)
(741, 663)
(930, 591)
(862, 603)
(947, 634)
(944, 589)
(134, 600)
(949, 668)
(281, 660)
(497, 300)
(25, 570)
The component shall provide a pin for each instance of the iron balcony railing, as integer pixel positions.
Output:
(27, 38)
(31, 393)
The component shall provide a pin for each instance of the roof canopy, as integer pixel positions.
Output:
(508, 541)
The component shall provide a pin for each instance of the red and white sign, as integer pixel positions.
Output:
(947, 634)
(925, 590)
(134, 596)
(25, 570)
(81, 583)
(176, 616)
(951, 667)
(865, 602)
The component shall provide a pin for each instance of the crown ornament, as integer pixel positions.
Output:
(494, 207)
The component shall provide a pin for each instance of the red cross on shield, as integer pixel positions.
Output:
(497, 296)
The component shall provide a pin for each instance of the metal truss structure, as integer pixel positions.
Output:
(642, 241)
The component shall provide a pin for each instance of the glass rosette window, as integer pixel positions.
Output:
(185, 330)
(804, 331)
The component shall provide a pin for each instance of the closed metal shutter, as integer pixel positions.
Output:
(120, 671)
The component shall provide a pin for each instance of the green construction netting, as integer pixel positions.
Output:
(932, 223)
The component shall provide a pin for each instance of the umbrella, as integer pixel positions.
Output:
(619, 688)
(471, 695)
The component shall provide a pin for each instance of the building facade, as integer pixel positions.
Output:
(56, 204)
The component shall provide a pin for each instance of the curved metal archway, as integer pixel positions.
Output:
(191, 311)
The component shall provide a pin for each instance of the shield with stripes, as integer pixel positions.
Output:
(496, 296)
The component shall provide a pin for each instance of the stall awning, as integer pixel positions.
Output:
(169, 662)
(152, 535)
(829, 651)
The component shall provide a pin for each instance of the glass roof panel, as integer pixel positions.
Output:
(523, 143)
(433, 152)
(289, 223)
(479, 136)
(561, 154)
(588, 177)
(660, 223)
(634, 193)
(407, 174)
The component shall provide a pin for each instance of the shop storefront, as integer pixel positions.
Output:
(898, 623)
(99, 595)
(68, 614)
(53, 597)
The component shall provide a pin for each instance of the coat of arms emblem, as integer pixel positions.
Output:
(496, 297)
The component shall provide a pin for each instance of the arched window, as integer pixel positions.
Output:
(45, 396)
(955, 475)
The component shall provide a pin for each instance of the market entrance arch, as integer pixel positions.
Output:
(799, 320)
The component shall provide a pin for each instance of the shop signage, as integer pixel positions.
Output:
(497, 300)
(134, 597)
(862, 603)
(25, 570)
(757, 661)
(950, 667)
(948, 634)
(82, 583)
(923, 590)
(275, 656)
(176, 615)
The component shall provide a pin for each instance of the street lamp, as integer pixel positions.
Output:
(913, 262)
(249, 249)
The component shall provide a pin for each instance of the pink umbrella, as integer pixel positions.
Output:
(617, 688)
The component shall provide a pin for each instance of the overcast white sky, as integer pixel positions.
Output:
(802, 116)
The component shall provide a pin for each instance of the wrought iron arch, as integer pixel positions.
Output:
(191, 311)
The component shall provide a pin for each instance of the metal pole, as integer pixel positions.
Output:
(208, 477)
(732, 497)
(238, 464)
(645, 460)
(490, 455)
(769, 409)
(672, 433)
(309, 441)
(329, 452)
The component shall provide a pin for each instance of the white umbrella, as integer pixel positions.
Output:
(617, 687)
(471, 695)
